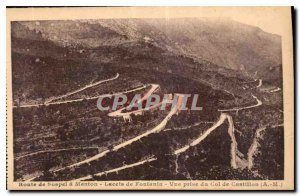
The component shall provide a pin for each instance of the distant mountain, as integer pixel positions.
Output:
(223, 42)
(221, 54)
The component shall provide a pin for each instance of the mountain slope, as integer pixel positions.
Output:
(223, 42)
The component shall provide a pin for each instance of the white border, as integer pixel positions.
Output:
(3, 5)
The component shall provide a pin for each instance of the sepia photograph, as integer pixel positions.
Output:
(150, 98)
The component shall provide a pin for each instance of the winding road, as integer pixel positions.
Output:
(79, 100)
(83, 88)
(117, 169)
(55, 150)
(259, 84)
(156, 129)
(275, 90)
(233, 151)
(221, 120)
(254, 147)
(235, 160)
(259, 103)
(120, 113)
